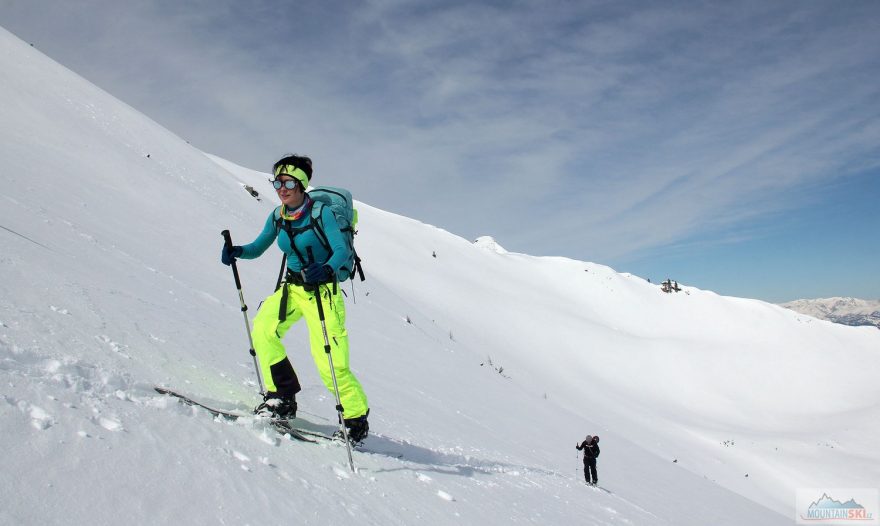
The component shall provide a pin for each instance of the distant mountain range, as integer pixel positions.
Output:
(846, 311)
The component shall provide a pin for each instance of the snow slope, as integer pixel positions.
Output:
(110, 283)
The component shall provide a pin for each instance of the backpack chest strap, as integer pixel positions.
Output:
(313, 224)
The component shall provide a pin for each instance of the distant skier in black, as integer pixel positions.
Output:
(590, 446)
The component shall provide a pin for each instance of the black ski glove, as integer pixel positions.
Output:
(229, 254)
(315, 273)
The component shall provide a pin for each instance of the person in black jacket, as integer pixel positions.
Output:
(590, 446)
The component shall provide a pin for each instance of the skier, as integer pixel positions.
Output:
(295, 299)
(590, 446)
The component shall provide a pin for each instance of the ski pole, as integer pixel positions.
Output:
(339, 409)
(228, 242)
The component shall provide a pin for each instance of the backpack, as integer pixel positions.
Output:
(341, 204)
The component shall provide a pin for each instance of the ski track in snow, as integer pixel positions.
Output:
(94, 389)
(66, 386)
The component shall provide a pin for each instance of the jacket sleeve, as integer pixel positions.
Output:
(256, 248)
(580, 447)
(596, 447)
(340, 253)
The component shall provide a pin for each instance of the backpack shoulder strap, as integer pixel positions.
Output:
(318, 223)
(278, 221)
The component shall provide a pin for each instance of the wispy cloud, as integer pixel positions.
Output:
(595, 130)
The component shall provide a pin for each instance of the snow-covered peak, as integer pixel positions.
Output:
(847, 311)
(489, 243)
(824, 306)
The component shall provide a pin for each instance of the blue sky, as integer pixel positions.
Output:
(733, 146)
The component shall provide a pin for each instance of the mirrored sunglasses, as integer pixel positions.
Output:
(290, 184)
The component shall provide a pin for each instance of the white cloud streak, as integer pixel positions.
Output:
(594, 130)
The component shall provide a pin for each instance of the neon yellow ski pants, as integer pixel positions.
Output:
(268, 332)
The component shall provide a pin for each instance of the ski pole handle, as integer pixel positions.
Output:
(227, 240)
(317, 290)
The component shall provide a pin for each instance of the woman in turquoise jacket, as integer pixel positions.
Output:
(313, 263)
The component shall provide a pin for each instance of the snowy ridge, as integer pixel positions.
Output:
(846, 311)
(111, 284)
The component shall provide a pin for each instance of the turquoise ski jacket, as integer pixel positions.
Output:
(339, 253)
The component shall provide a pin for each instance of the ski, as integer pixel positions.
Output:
(599, 488)
(282, 426)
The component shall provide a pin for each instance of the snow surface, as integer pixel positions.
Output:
(483, 368)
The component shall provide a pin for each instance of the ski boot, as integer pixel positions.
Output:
(358, 429)
(278, 407)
